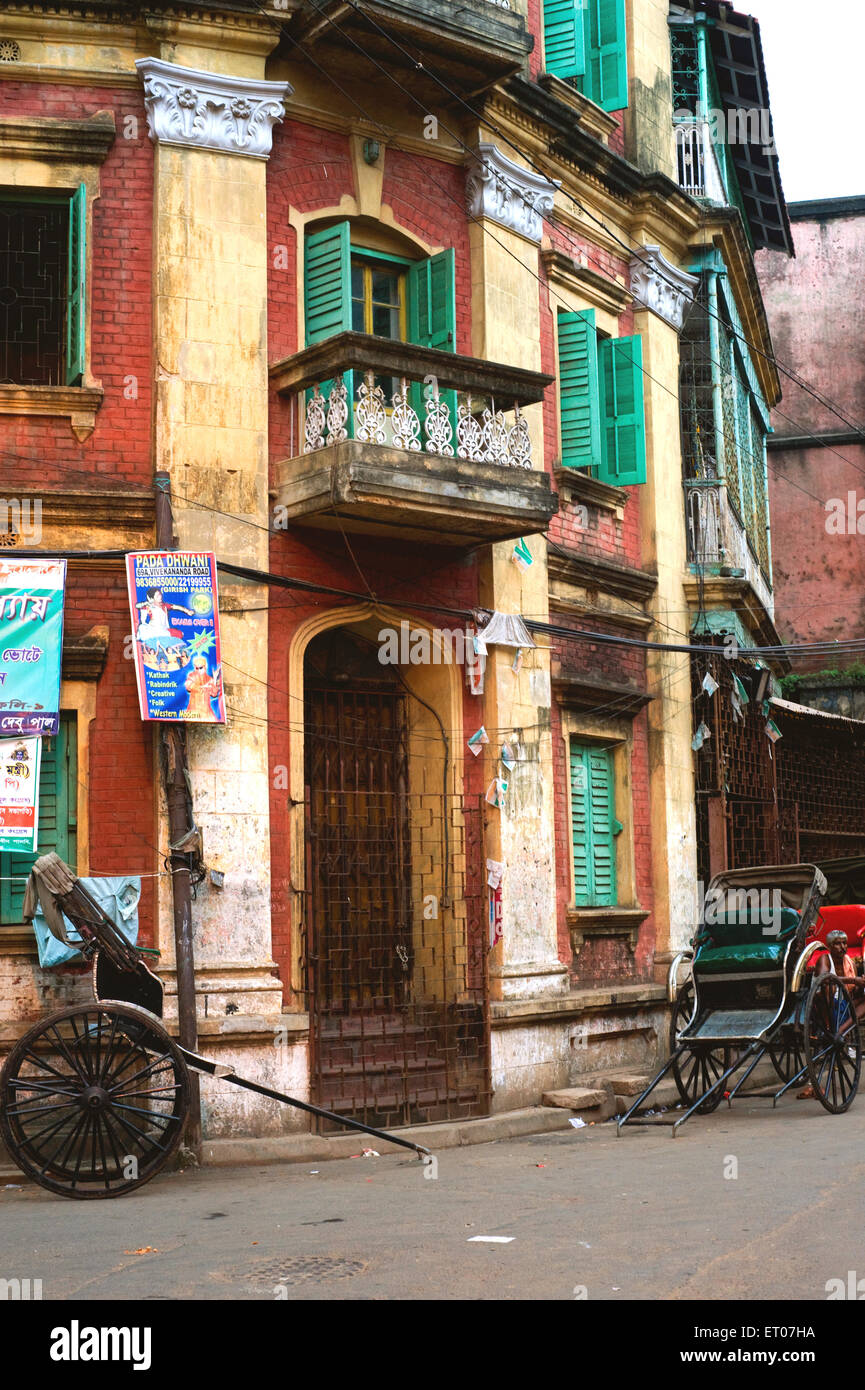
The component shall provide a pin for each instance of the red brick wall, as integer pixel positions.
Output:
(598, 534)
(119, 450)
(312, 169)
(120, 775)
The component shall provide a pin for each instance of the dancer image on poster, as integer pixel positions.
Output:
(202, 688)
(153, 625)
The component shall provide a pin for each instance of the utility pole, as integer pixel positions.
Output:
(175, 776)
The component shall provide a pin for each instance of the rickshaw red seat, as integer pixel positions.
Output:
(849, 918)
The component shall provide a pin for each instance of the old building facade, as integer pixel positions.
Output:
(413, 346)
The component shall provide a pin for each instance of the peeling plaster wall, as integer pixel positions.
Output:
(814, 307)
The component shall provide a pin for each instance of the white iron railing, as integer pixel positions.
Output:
(697, 166)
(475, 430)
(716, 536)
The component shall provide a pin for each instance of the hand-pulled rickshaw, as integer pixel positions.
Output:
(94, 1098)
(751, 993)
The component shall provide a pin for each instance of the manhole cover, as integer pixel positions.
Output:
(305, 1269)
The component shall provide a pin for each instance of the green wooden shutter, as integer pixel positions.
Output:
(327, 283)
(58, 820)
(606, 72)
(579, 405)
(564, 47)
(432, 308)
(327, 296)
(623, 430)
(432, 318)
(600, 800)
(75, 287)
(593, 826)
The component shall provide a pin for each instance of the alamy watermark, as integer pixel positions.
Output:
(752, 906)
(737, 125)
(20, 520)
(420, 646)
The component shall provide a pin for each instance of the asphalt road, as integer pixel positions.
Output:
(641, 1216)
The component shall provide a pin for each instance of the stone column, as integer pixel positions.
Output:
(506, 328)
(662, 292)
(212, 133)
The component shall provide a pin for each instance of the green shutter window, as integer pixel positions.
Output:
(58, 806)
(623, 431)
(327, 296)
(564, 48)
(432, 305)
(593, 826)
(606, 72)
(579, 406)
(327, 283)
(432, 317)
(75, 287)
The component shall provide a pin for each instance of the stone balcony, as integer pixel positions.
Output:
(413, 443)
(718, 542)
(471, 45)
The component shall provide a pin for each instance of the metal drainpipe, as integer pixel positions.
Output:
(175, 773)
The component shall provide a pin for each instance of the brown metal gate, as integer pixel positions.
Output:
(394, 921)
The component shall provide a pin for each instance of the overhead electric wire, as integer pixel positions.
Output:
(485, 119)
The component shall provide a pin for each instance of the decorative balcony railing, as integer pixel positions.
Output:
(699, 172)
(421, 400)
(716, 536)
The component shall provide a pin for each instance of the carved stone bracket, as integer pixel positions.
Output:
(206, 110)
(505, 192)
(659, 285)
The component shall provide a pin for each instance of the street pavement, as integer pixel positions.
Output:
(745, 1204)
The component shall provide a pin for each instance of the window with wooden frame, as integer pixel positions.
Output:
(57, 828)
(601, 401)
(42, 287)
(594, 826)
(351, 287)
(585, 44)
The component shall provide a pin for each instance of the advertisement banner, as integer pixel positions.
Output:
(31, 645)
(20, 761)
(175, 621)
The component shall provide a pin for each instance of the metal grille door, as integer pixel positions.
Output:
(394, 942)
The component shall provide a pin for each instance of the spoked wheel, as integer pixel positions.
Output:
(833, 1045)
(93, 1100)
(787, 1058)
(700, 1067)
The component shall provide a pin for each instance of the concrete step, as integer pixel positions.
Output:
(576, 1098)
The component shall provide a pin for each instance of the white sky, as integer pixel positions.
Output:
(813, 54)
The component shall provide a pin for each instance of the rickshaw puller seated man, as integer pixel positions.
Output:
(835, 961)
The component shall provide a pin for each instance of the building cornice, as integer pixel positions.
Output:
(205, 110)
(624, 580)
(576, 486)
(50, 140)
(725, 592)
(593, 118)
(598, 289)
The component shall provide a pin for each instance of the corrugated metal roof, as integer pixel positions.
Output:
(790, 707)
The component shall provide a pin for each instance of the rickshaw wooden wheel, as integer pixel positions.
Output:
(700, 1067)
(787, 1059)
(93, 1100)
(833, 1044)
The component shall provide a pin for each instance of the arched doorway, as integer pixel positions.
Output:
(398, 1017)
